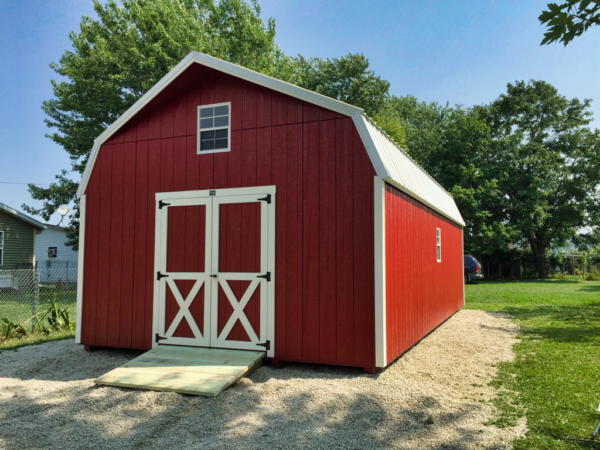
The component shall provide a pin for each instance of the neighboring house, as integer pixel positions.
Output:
(55, 260)
(228, 209)
(18, 234)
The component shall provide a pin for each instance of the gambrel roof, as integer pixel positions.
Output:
(391, 163)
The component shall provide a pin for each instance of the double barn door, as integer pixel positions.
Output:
(215, 269)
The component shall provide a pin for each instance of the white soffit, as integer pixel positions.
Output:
(395, 166)
(222, 66)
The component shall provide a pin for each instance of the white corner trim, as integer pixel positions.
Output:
(80, 266)
(380, 289)
(221, 66)
(462, 241)
(367, 140)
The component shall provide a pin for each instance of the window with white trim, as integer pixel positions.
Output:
(1, 247)
(438, 244)
(214, 128)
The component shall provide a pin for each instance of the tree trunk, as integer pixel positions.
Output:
(539, 253)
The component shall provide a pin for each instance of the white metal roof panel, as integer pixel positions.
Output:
(395, 166)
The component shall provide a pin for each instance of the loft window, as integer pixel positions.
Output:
(214, 128)
(1, 247)
(438, 244)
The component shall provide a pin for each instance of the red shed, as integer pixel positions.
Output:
(228, 209)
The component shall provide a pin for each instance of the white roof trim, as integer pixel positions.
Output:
(395, 166)
(222, 66)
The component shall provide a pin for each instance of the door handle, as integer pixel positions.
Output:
(213, 276)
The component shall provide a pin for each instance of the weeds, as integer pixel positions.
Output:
(54, 318)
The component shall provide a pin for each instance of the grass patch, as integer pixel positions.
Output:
(35, 338)
(555, 378)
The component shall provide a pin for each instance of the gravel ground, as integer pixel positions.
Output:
(432, 397)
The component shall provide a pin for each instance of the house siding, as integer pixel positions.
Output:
(52, 237)
(18, 249)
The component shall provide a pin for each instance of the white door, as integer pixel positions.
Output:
(184, 268)
(215, 269)
(240, 272)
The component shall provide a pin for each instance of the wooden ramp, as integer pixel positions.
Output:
(187, 370)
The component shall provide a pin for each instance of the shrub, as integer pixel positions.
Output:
(592, 277)
(559, 276)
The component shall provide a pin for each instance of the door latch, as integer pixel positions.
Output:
(158, 338)
(266, 345)
(160, 275)
(266, 276)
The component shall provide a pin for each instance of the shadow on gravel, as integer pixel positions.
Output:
(251, 414)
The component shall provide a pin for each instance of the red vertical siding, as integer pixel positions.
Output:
(324, 213)
(421, 293)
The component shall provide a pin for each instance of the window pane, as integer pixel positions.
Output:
(206, 112)
(206, 123)
(207, 145)
(207, 135)
(221, 143)
(221, 121)
(222, 110)
(219, 134)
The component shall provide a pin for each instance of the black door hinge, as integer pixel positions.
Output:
(266, 199)
(266, 345)
(158, 338)
(161, 204)
(266, 276)
(160, 275)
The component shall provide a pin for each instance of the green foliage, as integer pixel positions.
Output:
(11, 329)
(424, 124)
(568, 20)
(116, 59)
(524, 169)
(555, 378)
(346, 79)
(393, 127)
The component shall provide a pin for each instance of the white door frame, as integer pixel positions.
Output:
(184, 197)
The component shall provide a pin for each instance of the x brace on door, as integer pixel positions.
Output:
(184, 309)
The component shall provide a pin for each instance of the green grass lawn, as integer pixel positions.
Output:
(556, 373)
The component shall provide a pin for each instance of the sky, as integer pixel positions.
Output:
(461, 52)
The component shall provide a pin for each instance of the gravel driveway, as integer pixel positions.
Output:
(432, 397)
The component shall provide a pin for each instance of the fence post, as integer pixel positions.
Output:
(36, 295)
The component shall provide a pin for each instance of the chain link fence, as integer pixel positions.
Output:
(26, 294)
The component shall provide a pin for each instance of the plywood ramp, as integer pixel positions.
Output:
(187, 370)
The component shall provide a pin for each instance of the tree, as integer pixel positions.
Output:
(547, 165)
(120, 56)
(570, 19)
(424, 125)
(346, 79)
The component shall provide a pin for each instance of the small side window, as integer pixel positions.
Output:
(438, 244)
(52, 252)
(214, 128)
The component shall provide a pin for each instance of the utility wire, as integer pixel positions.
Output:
(11, 182)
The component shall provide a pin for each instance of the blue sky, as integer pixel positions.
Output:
(444, 51)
